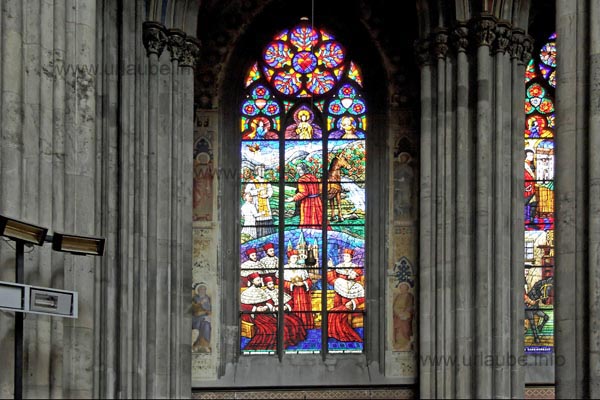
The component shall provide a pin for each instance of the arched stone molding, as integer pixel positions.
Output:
(174, 14)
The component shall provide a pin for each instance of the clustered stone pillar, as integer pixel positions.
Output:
(145, 130)
(161, 189)
(577, 274)
(471, 310)
(48, 177)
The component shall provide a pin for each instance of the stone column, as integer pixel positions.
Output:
(427, 321)
(442, 184)
(520, 52)
(463, 282)
(484, 292)
(47, 176)
(11, 165)
(468, 200)
(170, 138)
(577, 309)
(154, 41)
(190, 58)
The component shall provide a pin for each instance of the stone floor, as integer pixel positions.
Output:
(320, 393)
(532, 392)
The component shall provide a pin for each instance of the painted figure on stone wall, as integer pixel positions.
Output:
(403, 186)
(201, 319)
(257, 308)
(203, 181)
(403, 313)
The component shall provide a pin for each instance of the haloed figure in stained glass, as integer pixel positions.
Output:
(347, 125)
(304, 128)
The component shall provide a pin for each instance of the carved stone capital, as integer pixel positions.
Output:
(176, 43)
(460, 38)
(484, 30)
(423, 51)
(191, 52)
(503, 34)
(516, 44)
(440, 48)
(527, 49)
(154, 37)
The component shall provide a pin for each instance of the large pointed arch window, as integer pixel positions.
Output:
(302, 198)
(540, 79)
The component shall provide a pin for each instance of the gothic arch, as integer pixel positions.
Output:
(435, 13)
(174, 14)
(383, 49)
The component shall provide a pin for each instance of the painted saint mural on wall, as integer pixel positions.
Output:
(538, 196)
(302, 198)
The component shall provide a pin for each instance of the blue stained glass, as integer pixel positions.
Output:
(288, 108)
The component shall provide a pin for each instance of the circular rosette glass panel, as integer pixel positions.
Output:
(287, 82)
(321, 82)
(548, 54)
(330, 54)
(277, 55)
(304, 62)
(304, 37)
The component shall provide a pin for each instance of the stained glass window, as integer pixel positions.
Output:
(302, 198)
(538, 295)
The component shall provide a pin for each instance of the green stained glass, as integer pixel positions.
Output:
(530, 71)
(303, 107)
(539, 201)
(354, 74)
(253, 75)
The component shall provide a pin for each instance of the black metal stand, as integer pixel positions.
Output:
(20, 277)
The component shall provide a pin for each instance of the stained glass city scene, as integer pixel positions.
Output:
(303, 125)
(540, 81)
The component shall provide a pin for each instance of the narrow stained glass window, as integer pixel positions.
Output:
(303, 123)
(538, 295)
